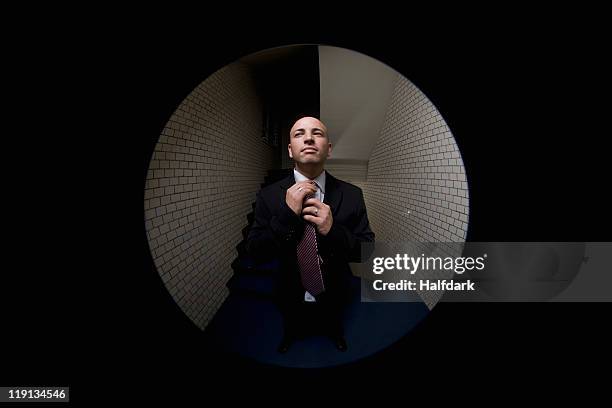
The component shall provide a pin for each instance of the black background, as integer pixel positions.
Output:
(526, 100)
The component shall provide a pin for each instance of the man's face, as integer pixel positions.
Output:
(308, 141)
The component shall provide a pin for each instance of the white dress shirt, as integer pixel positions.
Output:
(319, 195)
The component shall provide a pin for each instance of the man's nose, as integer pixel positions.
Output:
(309, 137)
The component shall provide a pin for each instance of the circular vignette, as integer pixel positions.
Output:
(226, 137)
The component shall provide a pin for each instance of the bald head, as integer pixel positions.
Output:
(308, 141)
(308, 122)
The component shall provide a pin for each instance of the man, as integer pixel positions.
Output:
(314, 224)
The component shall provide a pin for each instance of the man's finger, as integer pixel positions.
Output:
(305, 189)
(310, 210)
(307, 192)
(311, 218)
(299, 185)
(304, 184)
(314, 202)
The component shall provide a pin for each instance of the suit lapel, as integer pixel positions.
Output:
(333, 194)
(285, 184)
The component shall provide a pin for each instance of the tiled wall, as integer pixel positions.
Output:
(204, 174)
(416, 188)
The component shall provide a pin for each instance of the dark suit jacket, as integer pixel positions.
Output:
(277, 230)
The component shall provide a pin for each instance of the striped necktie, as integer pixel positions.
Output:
(308, 259)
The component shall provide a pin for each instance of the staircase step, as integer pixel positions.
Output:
(273, 172)
(273, 179)
(252, 285)
(247, 265)
(242, 249)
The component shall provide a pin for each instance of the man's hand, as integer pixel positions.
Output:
(319, 214)
(296, 193)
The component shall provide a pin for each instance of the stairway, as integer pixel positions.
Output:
(251, 277)
(248, 323)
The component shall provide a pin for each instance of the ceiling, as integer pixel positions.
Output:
(355, 92)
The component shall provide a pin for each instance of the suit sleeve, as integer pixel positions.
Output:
(270, 235)
(347, 241)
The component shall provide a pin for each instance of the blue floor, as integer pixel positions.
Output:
(252, 327)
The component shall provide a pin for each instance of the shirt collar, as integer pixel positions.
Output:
(320, 180)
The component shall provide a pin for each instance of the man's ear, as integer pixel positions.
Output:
(329, 150)
(289, 148)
